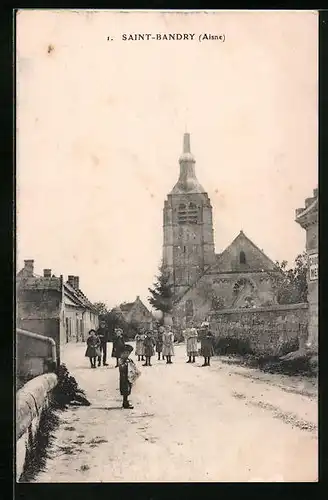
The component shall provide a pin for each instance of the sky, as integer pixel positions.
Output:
(100, 126)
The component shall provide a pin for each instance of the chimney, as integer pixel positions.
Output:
(76, 282)
(47, 273)
(29, 267)
(70, 280)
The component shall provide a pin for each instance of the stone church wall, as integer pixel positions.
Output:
(266, 329)
(222, 286)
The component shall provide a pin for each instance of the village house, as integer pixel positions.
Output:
(49, 306)
(136, 313)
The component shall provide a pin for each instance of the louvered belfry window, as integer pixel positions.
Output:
(188, 214)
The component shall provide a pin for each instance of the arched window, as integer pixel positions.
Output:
(242, 258)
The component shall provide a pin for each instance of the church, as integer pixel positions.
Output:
(202, 280)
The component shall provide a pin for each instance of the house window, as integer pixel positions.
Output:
(242, 258)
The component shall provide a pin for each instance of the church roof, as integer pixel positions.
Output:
(188, 182)
(259, 260)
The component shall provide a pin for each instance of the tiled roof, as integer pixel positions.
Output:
(127, 306)
(38, 283)
(78, 295)
(41, 283)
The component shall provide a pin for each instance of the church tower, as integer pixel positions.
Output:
(188, 247)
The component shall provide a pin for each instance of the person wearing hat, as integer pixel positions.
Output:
(128, 374)
(118, 344)
(93, 348)
(207, 343)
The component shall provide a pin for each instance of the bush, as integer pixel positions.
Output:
(300, 365)
(290, 345)
(232, 345)
(67, 390)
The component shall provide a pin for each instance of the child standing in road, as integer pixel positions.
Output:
(149, 344)
(159, 341)
(207, 343)
(168, 348)
(93, 349)
(140, 350)
(128, 375)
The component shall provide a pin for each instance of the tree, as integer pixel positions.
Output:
(100, 308)
(161, 294)
(292, 288)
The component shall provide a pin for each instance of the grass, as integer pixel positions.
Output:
(37, 454)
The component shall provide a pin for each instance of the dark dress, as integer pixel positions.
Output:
(149, 346)
(93, 349)
(125, 385)
(159, 342)
(118, 346)
(207, 344)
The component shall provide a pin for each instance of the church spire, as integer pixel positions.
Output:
(186, 155)
(186, 143)
(187, 182)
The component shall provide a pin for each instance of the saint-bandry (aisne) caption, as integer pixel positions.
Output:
(144, 37)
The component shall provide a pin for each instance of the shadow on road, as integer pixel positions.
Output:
(107, 408)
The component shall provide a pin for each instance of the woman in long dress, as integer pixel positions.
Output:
(140, 349)
(207, 344)
(190, 335)
(168, 347)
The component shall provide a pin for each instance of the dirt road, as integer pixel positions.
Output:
(188, 424)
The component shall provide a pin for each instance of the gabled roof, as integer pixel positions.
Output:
(127, 307)
(259, 258)
(217, 268)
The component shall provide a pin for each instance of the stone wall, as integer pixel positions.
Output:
(222, 286)
(31, 400)
(265, 328)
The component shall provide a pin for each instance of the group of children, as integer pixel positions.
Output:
(161, 339)
(97, 345)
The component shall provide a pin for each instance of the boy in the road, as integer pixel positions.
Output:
(128, 375)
